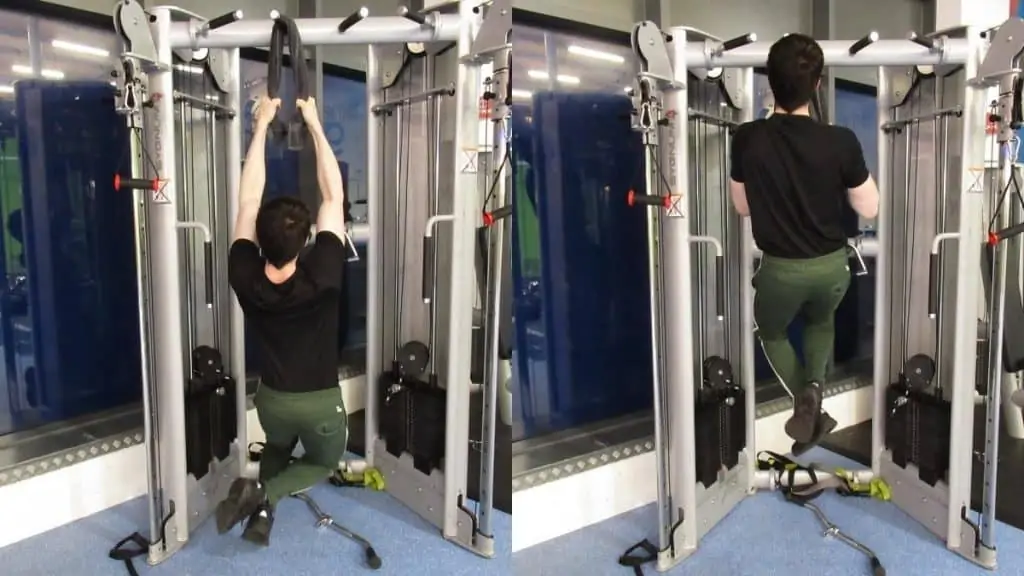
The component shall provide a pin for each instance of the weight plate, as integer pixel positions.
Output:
(413, 358)
(919, 371)
(717, 372)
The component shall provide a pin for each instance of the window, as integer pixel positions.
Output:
(69, 308)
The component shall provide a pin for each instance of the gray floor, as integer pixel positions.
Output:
(767, 536)
(406, 543)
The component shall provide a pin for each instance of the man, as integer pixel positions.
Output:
(291, 304)
(793, 176)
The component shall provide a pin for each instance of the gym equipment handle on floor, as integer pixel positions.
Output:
(933, 285)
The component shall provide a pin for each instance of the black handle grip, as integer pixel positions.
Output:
(734, 43)
(428, 267)
(208, 265)
(353, 19)
(416, 17)
(134, 183)
(933, 285)
(224, 20)
(633, 199)
(876, 567)
(720, 286)
(372, 560)
(1006, 233)
(863, 43)
(928, 43)
(498, 214)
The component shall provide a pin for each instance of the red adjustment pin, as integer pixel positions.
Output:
(633, 199)
(135, 183)
(993, 239)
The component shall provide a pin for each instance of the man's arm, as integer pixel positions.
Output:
(737, 188)
(861, 187)
(331, 216)
(254, 172)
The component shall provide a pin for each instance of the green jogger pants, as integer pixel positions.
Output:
(318, 420)
(785, 288)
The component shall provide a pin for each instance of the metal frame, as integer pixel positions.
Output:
(179, 504)
(667, 61)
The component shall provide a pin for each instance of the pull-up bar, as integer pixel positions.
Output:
(846, 53)
(321, 31)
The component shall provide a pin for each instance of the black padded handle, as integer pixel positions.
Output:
(498, 214)
(863, 43)
(208, 266)
(634, 199)
(1006, 233)
(929, 43)
(428, 266)
(734, 43)
(134, 183)
(720, 286)
(416, 17)
(353, 19)
(933, 285)
(224, 20)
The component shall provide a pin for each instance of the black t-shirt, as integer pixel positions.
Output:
(296, 322)
(797, 172)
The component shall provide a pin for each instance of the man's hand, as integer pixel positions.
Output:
(309, 112)
(265, 110)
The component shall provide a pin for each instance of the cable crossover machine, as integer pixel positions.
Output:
(193, 342)
(949, 194)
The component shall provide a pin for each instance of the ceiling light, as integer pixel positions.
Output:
(27, 71)
(596, 54)
(522, 94)
(6, 89)
(189, 69)
(80, 48)
(563, 78)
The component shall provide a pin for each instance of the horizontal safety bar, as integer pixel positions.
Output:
(319, 32)
(837, 53)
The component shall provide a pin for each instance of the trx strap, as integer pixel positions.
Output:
(128, 555)
(636, 562)
(284, 30)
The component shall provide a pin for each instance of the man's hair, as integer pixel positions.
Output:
(282, 229)
(795, 64)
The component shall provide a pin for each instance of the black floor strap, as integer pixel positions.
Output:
(128, 555)
(641, 553)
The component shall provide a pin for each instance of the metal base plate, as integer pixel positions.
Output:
(423, 494)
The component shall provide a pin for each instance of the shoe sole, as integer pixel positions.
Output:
(801, 448)
(800, 427)
(256, 538)
(230, 510)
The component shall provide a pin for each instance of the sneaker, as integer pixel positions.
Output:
(244, 497)
(826, 424)
(261, 522)
(806, 409)
(1018, 398)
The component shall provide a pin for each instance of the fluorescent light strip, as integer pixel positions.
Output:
(6, 89)
(27, 71)
(596, 54)
(522, 94)
(563, 78)
(80, 48)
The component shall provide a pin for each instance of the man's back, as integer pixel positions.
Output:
(295, 322)
(797, 173)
